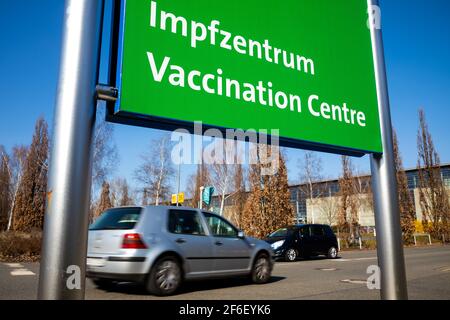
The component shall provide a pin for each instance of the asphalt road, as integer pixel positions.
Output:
(428, 273)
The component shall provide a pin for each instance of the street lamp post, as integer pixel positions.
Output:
(66, 220)
(201, 197)
(178, 178)
(387, 218)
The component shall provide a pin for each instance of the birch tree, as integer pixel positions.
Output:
(14, 168)
(5, 188)
(222, 179)
(329, 206)
(105, 156)
(120, 193)
(223, 170)
(156, 171)
(310, 167)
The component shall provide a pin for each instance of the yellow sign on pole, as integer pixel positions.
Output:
(179, 197)
(174, 199)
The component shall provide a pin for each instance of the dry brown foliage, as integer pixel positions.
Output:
(406, 206)
(31, 197)
(348, 206)
(433, 194)
(268, 206)
(18, 246)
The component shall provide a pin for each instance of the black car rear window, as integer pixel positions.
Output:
(283, 232)
(317, 231)
(328, 231)
(117, 219)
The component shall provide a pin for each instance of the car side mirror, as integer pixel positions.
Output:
(241, 235)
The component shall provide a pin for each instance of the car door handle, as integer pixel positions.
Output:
(218, 243)
(180, 240)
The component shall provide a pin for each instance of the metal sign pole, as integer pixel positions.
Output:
(384, 184)
(63, 258)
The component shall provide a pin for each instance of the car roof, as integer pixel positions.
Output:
(154, 206)
(180, 208)
(296, 226)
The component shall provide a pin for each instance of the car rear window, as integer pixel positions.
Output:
(117, 219)
(283, 232)
(317, 231)
(328, 231)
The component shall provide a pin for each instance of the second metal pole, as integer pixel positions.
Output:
(201, 197)
(179, 179)
(63, 258)
(384, 184)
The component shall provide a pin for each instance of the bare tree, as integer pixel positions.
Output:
(120, 193)
(348, 209)
(145, 197)
(5, 188)
(15, 169)
(222, 175)
(329, 206)
(222, 178)
(310, 173)
(239, 194)
(201, 178)
(434, 200)
(105, 157)
(156, 170)
(363, 198)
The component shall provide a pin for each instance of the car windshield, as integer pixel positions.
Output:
(117, 219)
(283, 232)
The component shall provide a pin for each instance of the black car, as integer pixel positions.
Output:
(304, 241)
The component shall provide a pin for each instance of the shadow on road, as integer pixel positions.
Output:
(220, 284)
(187, 287)
(313, 258)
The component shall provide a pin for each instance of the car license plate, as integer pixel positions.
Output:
(95, 262)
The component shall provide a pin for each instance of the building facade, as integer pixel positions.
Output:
(323, 205)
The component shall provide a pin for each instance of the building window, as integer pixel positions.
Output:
(413, 179)
(293, 192)
(446, 176)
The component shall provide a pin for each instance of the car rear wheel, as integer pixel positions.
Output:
(165, 277)
(332, 253)
(262, 270)
(291, 255)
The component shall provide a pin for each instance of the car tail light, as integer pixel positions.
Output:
(133, 241)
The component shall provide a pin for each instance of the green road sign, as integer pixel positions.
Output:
(304, 67)
(207, 195)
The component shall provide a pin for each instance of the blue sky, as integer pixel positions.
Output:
(417, 49)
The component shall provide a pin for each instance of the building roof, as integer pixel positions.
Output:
(367, 175)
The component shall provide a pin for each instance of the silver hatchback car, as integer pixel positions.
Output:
(161, 246)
